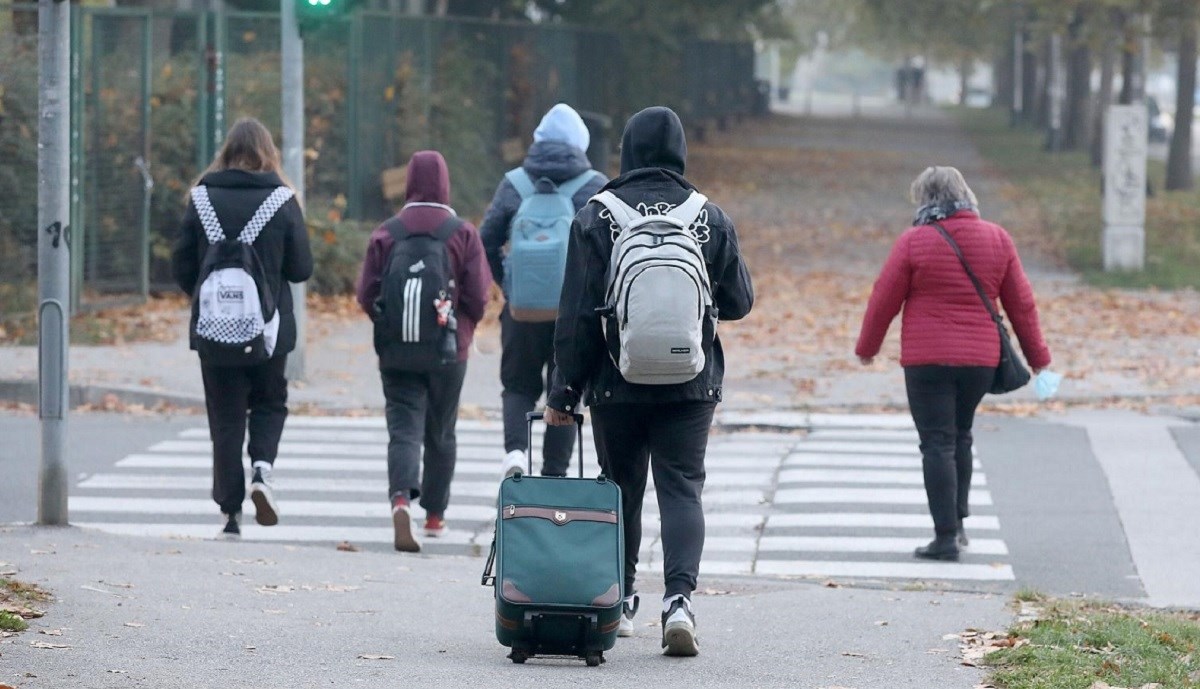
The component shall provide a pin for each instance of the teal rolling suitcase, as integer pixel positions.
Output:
(558, 564)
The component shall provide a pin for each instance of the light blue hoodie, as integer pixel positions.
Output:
(563, 124)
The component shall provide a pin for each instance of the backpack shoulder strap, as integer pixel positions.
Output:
(447, 229)
(621, 212)
(572, 186)
(688, 211)
(208, 216)
(265, 212)
(521, 182)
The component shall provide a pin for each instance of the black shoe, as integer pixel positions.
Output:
(942, 548)
(961, 538)
(679, 629)
(232, 529)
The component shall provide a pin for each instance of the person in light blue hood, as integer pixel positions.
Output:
(558, 156)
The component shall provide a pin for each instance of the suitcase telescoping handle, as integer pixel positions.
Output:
(540, 416)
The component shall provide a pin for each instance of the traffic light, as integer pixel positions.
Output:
(314, 13)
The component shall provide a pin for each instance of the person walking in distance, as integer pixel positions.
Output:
(949, 342)
(531, 215)
(424, 284)
(242, 241)
(650, 267)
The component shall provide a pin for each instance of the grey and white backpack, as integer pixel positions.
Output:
(659, 314)
(234, 316)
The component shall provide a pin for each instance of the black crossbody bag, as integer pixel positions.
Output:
(1011, 373)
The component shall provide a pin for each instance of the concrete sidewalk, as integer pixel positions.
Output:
(162, 614)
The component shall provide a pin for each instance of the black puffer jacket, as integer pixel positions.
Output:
(652, 161)
(282, 246)
(554, 160)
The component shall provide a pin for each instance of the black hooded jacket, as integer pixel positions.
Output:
(282, 246)
(554, 160)
(653, 155)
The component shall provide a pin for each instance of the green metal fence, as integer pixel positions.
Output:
(153, 93)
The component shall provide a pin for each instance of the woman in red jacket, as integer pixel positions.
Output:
(949, 346)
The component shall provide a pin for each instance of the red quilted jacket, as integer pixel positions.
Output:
(944, 320)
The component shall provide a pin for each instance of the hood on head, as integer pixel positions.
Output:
(565, 125)
(428, 178)
(654, 138)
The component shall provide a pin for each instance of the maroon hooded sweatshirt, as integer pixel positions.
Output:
(426, 197)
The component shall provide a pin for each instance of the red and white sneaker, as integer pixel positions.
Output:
(435, 526)
(404, 539)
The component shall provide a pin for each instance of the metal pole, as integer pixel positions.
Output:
(142, 163)
(292, 87)
(54, 252)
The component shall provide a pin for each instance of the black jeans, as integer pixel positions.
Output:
(229, 393)
(422, 409)
(672, 439)
(943, 401)
(527, 351)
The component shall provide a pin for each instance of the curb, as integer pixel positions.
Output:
(26, 392)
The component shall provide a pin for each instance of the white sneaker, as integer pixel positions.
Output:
(266, 511)
(514, 463)
(679, 628)
(628, 610)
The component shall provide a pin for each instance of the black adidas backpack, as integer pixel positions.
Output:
(415, 326)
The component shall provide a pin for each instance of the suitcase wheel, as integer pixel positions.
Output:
(518, 656)
(594, 659)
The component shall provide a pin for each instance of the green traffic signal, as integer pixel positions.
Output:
(313, 13)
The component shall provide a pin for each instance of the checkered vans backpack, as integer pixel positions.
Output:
(234, 316)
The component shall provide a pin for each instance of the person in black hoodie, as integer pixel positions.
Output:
(638, 425)
(558, 154)
(244, 173)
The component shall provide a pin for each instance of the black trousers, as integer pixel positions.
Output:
(943, 400)
(526, 370)
(672, 439)
(232, 395)
(422, 410)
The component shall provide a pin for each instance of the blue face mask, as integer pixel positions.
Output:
(1046, 384)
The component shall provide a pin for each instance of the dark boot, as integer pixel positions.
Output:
(944, 547)
(961, 536)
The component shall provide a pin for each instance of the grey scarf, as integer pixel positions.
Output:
(932, 212)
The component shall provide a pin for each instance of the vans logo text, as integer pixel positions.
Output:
(230, 294)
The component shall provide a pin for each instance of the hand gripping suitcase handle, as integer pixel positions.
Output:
(541, 416)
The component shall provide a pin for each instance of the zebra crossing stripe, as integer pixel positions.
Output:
(862, 544)
(838, 446)
(906, 478)
(855, 460)
(877, 496)
(885, 570)
(292, 534)
(870, 520)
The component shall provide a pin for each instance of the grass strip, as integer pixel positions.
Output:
(1073, 644)
(1064, 191)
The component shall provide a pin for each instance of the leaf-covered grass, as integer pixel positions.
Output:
(1074, 644)
(1064, 191)
(11, 623)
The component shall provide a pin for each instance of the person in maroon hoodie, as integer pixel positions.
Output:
(949, 345)
(425, 275)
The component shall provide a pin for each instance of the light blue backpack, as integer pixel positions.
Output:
(537, 251)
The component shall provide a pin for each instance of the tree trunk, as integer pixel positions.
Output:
(1005, 76)
(1179, 159)
(964, 79)
(1079, 86)
(1108, 66)
(1131, 56)
(1029, 81)
(1045, 69)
